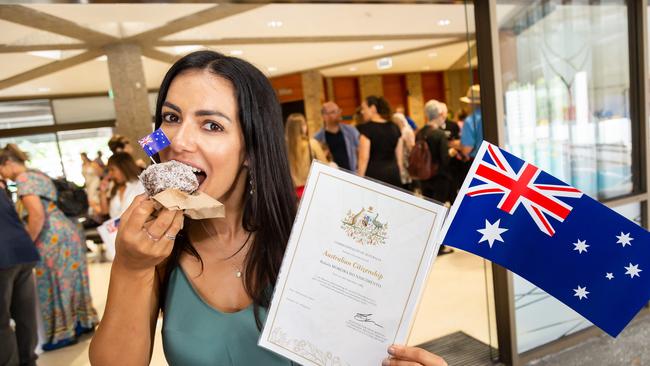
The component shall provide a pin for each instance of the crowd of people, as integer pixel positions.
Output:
(43, 265)
(380, 143)
(163, 260)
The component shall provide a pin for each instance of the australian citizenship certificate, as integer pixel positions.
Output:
(353, 272)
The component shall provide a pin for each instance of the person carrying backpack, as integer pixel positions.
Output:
(429, 159)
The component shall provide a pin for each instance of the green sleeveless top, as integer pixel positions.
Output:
(195, 333)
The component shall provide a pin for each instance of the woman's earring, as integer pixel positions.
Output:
(251, 182)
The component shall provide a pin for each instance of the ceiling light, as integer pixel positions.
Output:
(274, 24)
(272, 68)
(54, 55)
(378, 47)
(102, 58)
(384, 63)
(426, 67)
(432, 54)
(43, 90)
(353, 68)
(444, 22)
(181, 50)
(236, 52)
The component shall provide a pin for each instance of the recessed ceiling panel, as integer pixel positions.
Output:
(19, 35)
(16, 63)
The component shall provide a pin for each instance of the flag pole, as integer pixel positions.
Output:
(150, 157)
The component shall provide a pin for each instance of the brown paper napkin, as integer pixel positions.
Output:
(197, 206)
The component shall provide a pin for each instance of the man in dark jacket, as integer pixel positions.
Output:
(18, 255)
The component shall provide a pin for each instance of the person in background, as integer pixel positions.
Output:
(119, 143)
(18, 256)
(379, 150)
(411, 122)
(341, 140)
(62, 273)
(472, 132)
(458, 161)
(92, 174)
(123, 174)
(212, 278)
(301, 149)
(440, 186)
(99, 160)
(407, 141)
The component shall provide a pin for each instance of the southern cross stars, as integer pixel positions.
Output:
(609, 275)
(633, 270)
(581, 246)
(581, 292)
(624, 239)
(491, 233)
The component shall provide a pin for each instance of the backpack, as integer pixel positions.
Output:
(72, 200)
(420, 164)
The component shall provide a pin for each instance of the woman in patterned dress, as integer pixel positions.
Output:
(62, 274)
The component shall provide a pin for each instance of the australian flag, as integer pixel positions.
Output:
(154, 142)
(576, 249)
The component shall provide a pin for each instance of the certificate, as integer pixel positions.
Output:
(353, 272)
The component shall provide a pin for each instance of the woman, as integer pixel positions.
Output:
(379, 150)
(61, 275)
(91, 172)
(123, 174)
(301, 150)
(406, 143)
(212, 278)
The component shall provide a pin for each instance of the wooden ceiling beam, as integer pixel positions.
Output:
(307, 39)
(50, 68)
(159, 55)
(5, 48)
(218, 12)
(33, 18)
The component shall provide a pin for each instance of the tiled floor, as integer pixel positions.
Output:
(454, 300)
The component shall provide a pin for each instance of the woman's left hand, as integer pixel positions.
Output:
(411, 356)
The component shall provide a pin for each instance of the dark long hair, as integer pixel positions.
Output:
(125, 163)
(268, 212)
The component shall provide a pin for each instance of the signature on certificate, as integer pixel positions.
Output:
(365, 318)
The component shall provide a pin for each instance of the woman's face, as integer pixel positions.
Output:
(116, 174)
(6, 171)
(366, 112)
(200, 117)
(303, 128)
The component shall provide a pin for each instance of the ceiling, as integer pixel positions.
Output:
(53, 49)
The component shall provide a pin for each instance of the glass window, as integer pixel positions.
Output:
(565, 77)
(25, 113)
(73, 143)
(566, 83)
(42, 151)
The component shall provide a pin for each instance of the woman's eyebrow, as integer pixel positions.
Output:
(172, 106)
(204, 112)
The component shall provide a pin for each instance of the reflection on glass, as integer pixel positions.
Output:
(566, 91)
(566, 83)
(25, 113)
(42, 151)
(73, 143)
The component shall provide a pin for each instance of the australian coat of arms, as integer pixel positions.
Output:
(364, 227)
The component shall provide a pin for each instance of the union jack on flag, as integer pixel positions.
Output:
(521, 188)
(154, 142)
(576, 249)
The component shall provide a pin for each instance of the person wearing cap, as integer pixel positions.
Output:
(472, 133)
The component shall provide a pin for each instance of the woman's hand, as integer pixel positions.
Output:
(142, 241)
(411, 356)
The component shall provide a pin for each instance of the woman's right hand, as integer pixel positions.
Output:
(142, 241)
